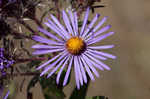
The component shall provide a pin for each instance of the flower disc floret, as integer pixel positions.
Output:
(75, 45)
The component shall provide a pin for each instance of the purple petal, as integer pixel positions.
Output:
(94, 64)
(55, 28)
(92, 68)
(100, 38)
(82, 70)
(49, 34)
(76, 74)
(90, 25)
(60, 26)
(54, 58)
(6, 96)
(87, 68)
(40, 52)
(100, 24)
(101, 47)
(96, 56)
(44, 40)
(99, 62)
(104, 29)
(92, 33)
(68, 72)
(53, 64)
(55, 69)
(94, 71)
(78, 70)
(61, 69)
(72, 22)
(67, 22)
(85, 21)
(76, 23)
(38, 46)
(103, 54)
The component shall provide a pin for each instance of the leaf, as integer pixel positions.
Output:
(80, 23)
(50, 89)
(29, 95)
(33, 63)
(80, 94)
(32, 82)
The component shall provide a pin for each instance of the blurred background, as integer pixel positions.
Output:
(129, 77)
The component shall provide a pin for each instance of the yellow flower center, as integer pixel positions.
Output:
(75, 45)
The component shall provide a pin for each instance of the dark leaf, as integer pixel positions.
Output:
(50, 89)
(32, 82)
(29, 95)
(80, 23)
(33, 63)
(80, 94)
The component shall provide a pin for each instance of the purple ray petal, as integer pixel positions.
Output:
(60, 26)
(94, 63)
(90, 25)
(6, 96)
(87, 68)
(56, 68)
(82, 70)
(44, 40)
(99, 62)
(76, 23)
(91, 67)
(96, 56)
(55, 28)
(38, 46)
(92, 33)
(68, 72)
(85, 21)
(100, 38)
(100, 23)
(103, 54)
(72, 22)
(49, 34)
(101, 47)
(76, 74)
(79, 71)
(40, 52)
(53, 64)
(61, 69)
(67, 22)
(104, 29)
(94, 70)
(46, 63)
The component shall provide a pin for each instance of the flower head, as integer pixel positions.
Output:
(4, 63)
(74, 46)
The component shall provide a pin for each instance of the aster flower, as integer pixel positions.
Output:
(4, 63)
(74, 47)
